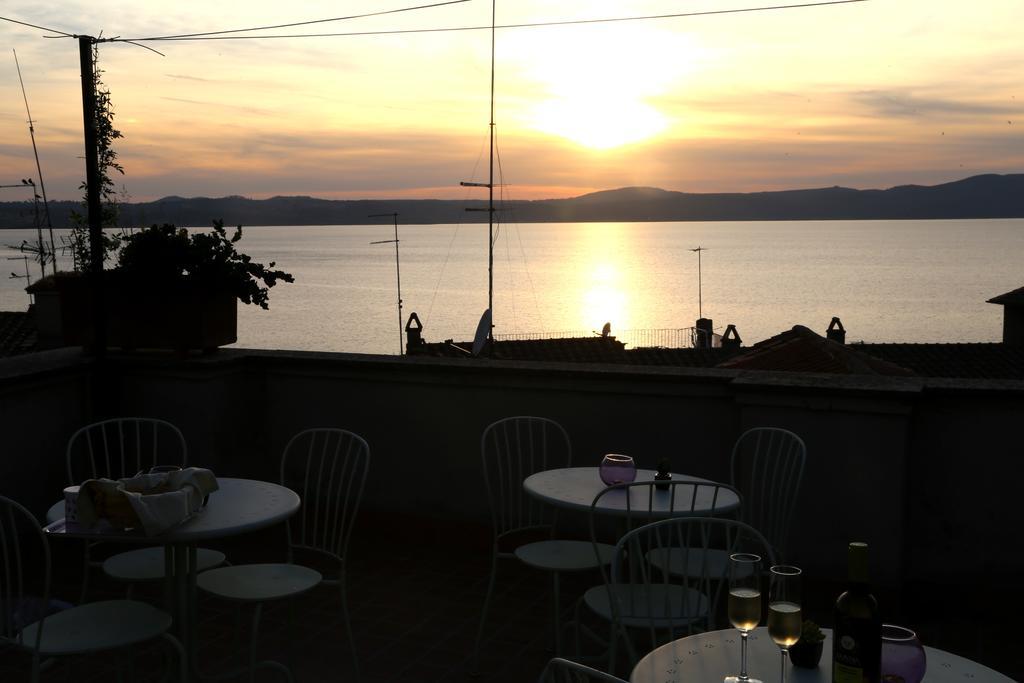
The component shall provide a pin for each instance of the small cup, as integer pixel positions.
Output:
(617, 469)
(71, 505)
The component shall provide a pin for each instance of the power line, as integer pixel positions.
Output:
(41, 28)
(184, 36)
(570, 22)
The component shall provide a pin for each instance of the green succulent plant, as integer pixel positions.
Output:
(811, 633)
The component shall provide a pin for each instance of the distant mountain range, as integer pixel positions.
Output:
(983, 196)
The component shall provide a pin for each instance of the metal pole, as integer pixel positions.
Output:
(398, 274)
(700, 289)
(39, 168)
(490, 195)
(39, 227)
(92, 185)
(700, 294)
(398, 279)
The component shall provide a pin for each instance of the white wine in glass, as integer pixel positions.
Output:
(784, 623)
(744, 604)
(744, 608)
(785, 620)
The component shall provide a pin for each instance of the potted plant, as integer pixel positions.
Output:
(806, 652)
(169, 289)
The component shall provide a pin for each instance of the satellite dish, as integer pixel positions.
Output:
(482, 332)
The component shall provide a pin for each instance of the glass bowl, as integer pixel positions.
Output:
(903, 657)
(617, 469)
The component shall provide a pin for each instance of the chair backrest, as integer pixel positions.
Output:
(642, 502)
(767, 466)
(327, 468)
(123, 446)
(24, 558)
(661, 605)
(511, 450)
(561, 670)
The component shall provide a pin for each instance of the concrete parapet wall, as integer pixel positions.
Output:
(918, 468)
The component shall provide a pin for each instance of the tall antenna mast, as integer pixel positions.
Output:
(398, 271)
(700, 297)
(39, 169)
(490, 192)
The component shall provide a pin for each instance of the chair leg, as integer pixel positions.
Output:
(475, 664)
(556, 599)
(86, 566)
(182, 666)
(348, 627)
(612, 642)
(252, 641)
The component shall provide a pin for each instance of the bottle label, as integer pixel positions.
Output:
(856, 651)
(843, 673)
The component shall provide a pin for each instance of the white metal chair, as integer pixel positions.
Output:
(512, 449)
(767, 465)
(561, 670)
(642, 601)
(327, 468)
(24, 622)
(122, 447)
(674, 499)
(644, 502)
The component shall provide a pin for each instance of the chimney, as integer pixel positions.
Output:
(835, 331)
(704, 333)
(1013, 315)
(731, 339)
(413, 334)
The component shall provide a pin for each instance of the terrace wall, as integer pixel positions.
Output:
(919, 468)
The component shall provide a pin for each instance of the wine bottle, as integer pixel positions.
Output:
(857, 638)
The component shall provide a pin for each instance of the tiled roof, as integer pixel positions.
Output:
(973, 361)
(801, 350)
(1014, 298)
(681, 358)
(572, 350)
(795, 350)
(17, 333)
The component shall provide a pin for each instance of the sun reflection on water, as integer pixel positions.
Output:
(603, 259)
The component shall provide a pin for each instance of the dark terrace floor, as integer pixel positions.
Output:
(415, 609)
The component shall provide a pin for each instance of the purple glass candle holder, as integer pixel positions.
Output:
(617, 469)
(903, 657)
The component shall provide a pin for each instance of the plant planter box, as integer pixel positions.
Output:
(181, 318)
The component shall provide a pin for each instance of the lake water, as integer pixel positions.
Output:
(896, 281)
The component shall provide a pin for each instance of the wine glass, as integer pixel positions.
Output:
(744, 604)
(784, 618)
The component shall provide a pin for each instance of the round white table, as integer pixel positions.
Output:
(714, 655)
(238, 506)
(575, 488)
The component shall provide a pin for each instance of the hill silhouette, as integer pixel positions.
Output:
(983, 196)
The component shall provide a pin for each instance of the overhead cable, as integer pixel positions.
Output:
(569, 22)
(184, 36)
(41, 28)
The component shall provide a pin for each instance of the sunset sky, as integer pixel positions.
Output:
(865, 95)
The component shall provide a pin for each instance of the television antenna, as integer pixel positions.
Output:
(39, 248)
(39, 168)
(700, 297)
(398, 272)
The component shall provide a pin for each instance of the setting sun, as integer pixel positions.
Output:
(598, 97)
(599, 124)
